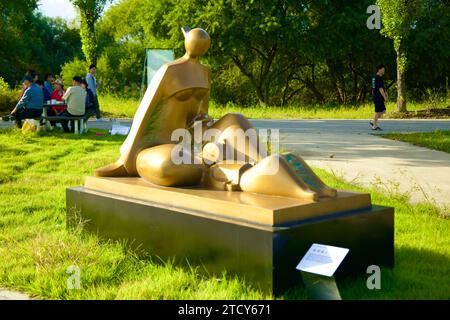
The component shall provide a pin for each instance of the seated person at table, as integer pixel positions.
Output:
(47, 94)
(48, 82)
(34, 77)
(30, 104)
(75, 98)
(57, 95)
(90, 110)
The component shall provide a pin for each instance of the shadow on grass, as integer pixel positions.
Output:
(418, 274)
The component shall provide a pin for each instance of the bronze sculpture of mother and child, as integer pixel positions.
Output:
(177, 98)
(228, 205)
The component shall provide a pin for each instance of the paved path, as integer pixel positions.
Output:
(12, 295)
(351, 150)
(348, 148)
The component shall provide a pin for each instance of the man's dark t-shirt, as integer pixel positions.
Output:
(377, 83)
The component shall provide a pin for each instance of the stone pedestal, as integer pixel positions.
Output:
(260, 238)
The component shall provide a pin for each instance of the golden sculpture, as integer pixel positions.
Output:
(177, 98)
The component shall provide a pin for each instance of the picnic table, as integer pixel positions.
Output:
(49, 104)
(80, 121)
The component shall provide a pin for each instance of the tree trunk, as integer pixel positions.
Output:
(319, 96)
(262, 99)
(88, 39)
(256, 84)
(401, 77)
(355, 92)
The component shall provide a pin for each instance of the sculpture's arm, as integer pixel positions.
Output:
(205, 102)
(202, 113)
(155, 92)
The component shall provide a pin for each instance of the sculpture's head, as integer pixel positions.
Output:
(196, 42)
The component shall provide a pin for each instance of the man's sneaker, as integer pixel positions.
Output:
(377, 129)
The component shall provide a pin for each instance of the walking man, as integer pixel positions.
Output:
(92, 84)
(379, 96)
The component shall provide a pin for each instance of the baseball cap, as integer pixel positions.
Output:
(29, 78)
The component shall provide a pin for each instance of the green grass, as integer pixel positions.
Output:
(36, 248)
(125, 108)
(437, 140)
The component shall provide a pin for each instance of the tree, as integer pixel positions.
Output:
(431, 35)
(90, 11)
(261, 38)
(285, 49)
(342, 50)
(32, 41)
(14, 18)
(275, 52)
(399, 18)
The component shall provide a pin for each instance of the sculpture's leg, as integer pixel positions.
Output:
(232, 126)
(274, 176)
(304, 172)
(156, 165)
(231, 122)
(115, 169)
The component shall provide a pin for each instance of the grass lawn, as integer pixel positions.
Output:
(125, 108)
(36, 248)
(437, 140)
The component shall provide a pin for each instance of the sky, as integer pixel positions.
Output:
(58, 8)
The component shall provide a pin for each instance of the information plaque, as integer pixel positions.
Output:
(322, 259)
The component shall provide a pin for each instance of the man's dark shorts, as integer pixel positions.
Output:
(379, 106)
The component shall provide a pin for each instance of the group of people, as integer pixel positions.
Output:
(78, 100)
(81, 99)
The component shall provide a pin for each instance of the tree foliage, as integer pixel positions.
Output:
(76, 67)
(400, 18)
(90, 12)
(429, 50)
(30, 41)
(273, 52)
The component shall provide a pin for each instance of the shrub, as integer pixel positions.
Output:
(8, 97)
(120, 70)
(229, 85)
(73, 68)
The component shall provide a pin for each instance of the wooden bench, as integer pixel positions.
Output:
(80, 122)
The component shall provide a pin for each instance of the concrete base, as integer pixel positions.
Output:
(262, 254)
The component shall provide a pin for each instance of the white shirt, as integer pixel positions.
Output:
(76, 100)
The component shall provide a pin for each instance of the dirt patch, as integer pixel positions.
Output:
(441, 113)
